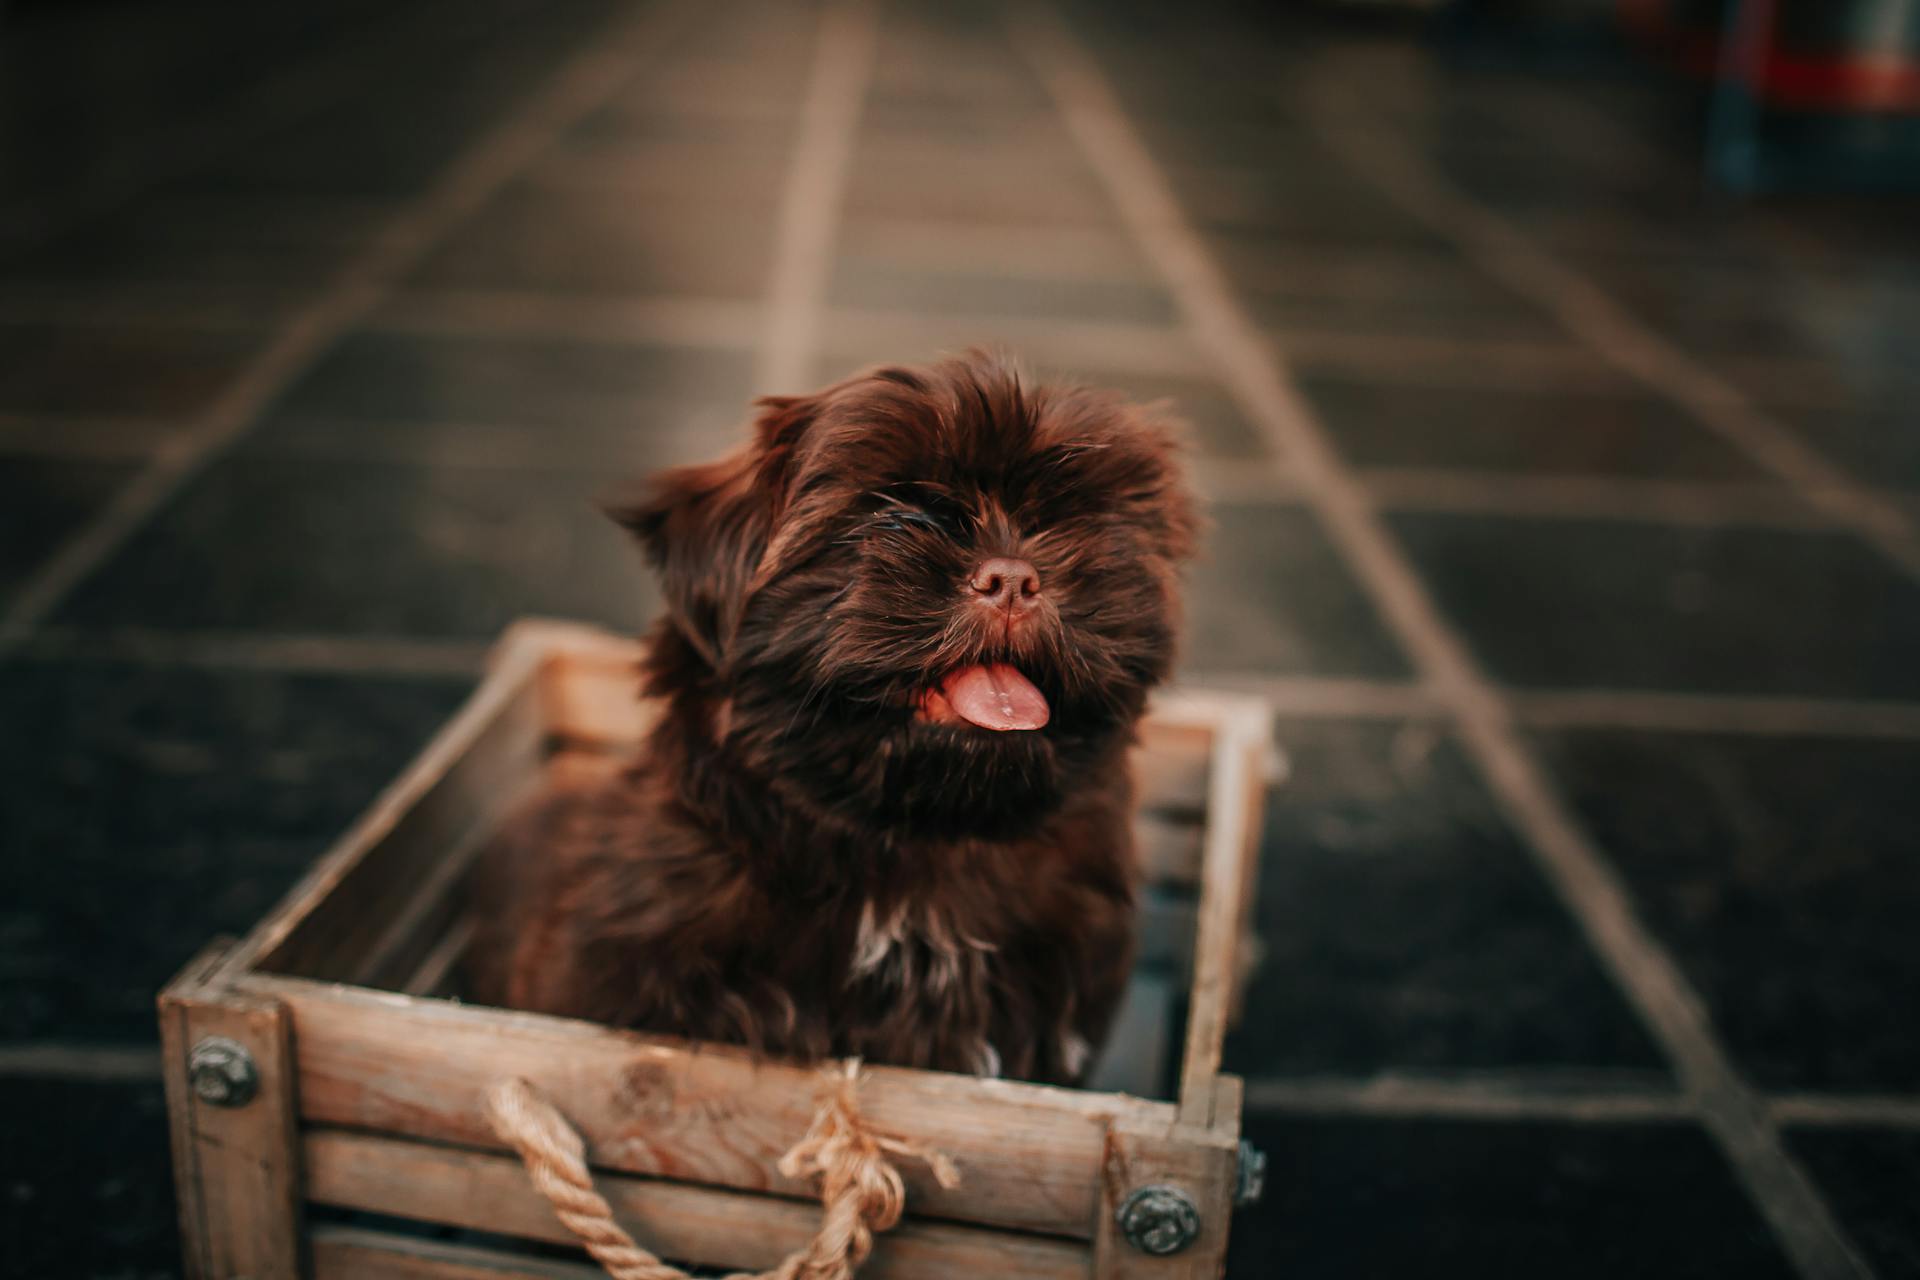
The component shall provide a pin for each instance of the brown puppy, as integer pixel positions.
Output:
(885, 810)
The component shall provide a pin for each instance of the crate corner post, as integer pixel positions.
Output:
(227, 1060)
(1166, 1200)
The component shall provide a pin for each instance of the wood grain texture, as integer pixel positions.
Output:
(237, 1168)
(359, 1253)
(1236, 796)
(691, 1224)
(1200, 1162)
(685, 1138)
(1028, 1154)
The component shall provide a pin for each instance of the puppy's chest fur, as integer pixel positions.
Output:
(980, 957)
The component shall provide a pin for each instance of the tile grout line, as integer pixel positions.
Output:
(584, 82)
(1463, 1100)
(1848, 1111)
(1296, 696)
(1503, 1098)
(1609, 329)
(63, 1060)
(1800, 1218)
(1636, 499)
(815, 190)
(1652, 711)
(379, 655)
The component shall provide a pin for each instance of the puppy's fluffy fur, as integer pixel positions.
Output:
(815, 853)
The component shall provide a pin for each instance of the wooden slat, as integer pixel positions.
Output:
(1198, 1162)
(237, 1169)
(333, 921)
(593, 696)
(1170, 849)
(1171, 764)
(174, 1049)
(361, 1253)
(689, 1224)
(1237, 796)
(438, 969)
(1029, 1154)
(422, 920)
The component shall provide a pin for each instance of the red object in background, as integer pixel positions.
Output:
(1835, 55)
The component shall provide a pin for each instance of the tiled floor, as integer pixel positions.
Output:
(1566, 511)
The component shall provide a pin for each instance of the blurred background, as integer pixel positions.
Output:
(1552, 369)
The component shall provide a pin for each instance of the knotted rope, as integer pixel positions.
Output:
(860, 1189)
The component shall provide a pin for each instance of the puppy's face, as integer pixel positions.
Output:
(929, 599)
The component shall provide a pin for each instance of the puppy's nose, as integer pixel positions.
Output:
(1004, 582)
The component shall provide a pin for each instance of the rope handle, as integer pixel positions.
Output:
(861, 1191)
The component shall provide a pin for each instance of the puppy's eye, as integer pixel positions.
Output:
(899, 519)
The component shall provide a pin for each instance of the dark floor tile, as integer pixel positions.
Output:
(1879, 446)
(1547, 361)
(1376, 1198)
(1297, 287)
(651, 116)
(148, 809)
(1270, 594)
(1533, 174)
(262, 246)
(43, 501)
(758, 35)
(1601, 239)
(700, 94)
(1306, 310)
(918, 91)
(153, 372)
(966, 181)
(665, 433)
(385, 147)
(1278, 203)
(1788, 387)
(1772, 310)
(537, 384)
(900, 120)
(1600, 604)
(86, 1183)
(948, 61)
(1100, 256)
(1225, 143)
(1405, 929)
(1780, 873)
(892, 288)
(414, 107)
(1533, 431)
(692, 169)
(360, 548)
(1872, 1180)
(1219, 429)
(605, 242)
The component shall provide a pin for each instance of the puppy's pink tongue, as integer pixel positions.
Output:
(996, 697)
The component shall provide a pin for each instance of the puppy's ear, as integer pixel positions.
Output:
(705, 527)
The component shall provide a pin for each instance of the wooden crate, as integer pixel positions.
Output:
(325, 1086)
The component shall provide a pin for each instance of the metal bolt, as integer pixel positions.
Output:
(1160, 1220)
(222, 1072)
(1251, 1179)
